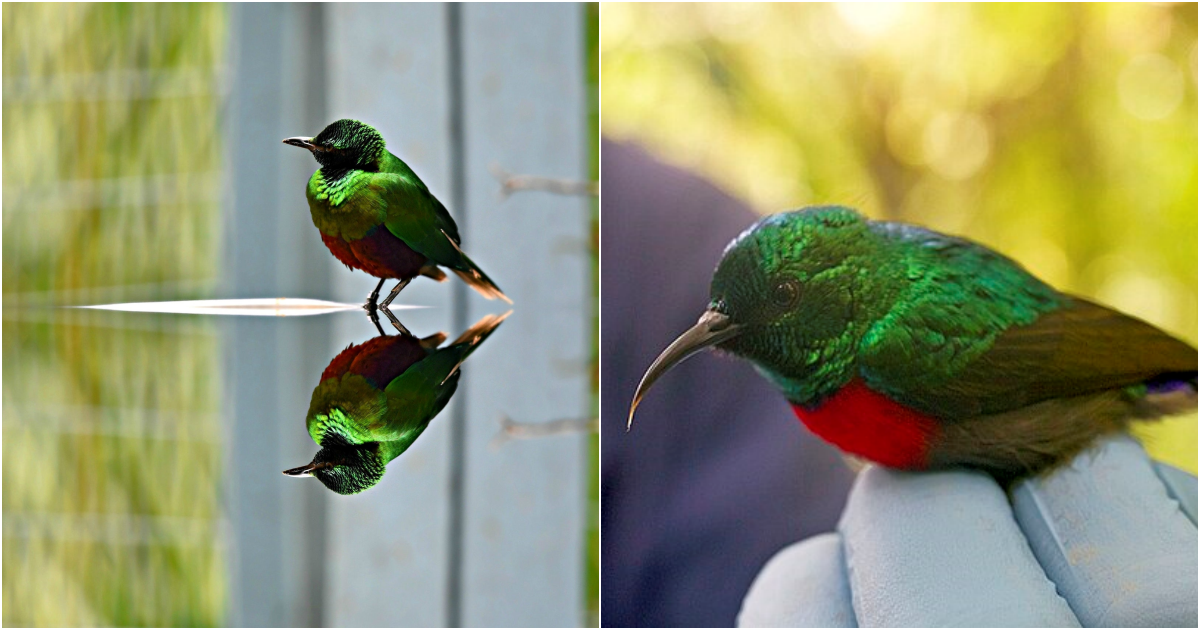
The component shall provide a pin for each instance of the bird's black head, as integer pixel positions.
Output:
(345, 144)
(344, 468)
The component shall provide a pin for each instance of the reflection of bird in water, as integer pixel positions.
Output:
(375, 398)
(919, 350)
(376, 215)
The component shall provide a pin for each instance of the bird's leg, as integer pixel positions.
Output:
(370, 303)
(375, 320)
(395, 322)
(395, 291)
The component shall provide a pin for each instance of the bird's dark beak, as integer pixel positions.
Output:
(303, 471)
(303, 143)
(713, 328)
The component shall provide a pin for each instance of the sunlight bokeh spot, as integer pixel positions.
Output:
(1044, 258)
(1144, 295)
(1151, 87)
(871, 19)
(956, 145)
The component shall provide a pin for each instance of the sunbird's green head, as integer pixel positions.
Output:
(792, 294)
(345, 144)
(344, 468)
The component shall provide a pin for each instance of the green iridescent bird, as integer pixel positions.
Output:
(918, 350)
(375, 399)
(376, 215)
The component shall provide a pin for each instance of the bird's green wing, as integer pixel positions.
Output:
(421, 391)
(418, 395)
(976, 334)
(416, 217)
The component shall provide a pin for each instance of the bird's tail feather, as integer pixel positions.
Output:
(1167, 396)
(431, 271)
(474, 276)
(472, 337)
(433, 341)
(480, 330)
(481, 283)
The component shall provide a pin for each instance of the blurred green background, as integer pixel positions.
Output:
(1061, 135)
(112, 149)
(112, 436)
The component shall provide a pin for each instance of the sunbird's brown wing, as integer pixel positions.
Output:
(1078, 348)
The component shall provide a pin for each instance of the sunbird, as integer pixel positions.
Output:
(376, 215)
(375, 399)
(918, 350)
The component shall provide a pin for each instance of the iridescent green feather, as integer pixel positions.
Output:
(339, 209)
(895, 304)
(955, 299)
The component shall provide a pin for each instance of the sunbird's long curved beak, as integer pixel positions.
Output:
(303, 143)
(713, 328)
(303, 471)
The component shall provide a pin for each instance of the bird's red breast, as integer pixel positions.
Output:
(868, 424)
(340, 250)
(378, 253)
(378, 360)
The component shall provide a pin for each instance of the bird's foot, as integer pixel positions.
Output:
(395, 322)
(374, 315)
(372, 300)
(395, 291)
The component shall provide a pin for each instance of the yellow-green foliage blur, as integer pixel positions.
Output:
(112, 436)
(1061, 135)
(112, 149)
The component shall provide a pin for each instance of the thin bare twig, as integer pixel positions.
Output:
(510, 183)
(513, 430)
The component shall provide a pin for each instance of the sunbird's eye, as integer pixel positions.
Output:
(786, 293)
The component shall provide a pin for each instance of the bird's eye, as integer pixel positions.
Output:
(785, 294)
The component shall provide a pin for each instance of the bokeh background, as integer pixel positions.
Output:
(1063, 135)
(112, 434)
(142, 162)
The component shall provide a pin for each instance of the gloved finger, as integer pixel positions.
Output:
(1180, 486)
(803, 586)
(942, 549)
(1106, 532)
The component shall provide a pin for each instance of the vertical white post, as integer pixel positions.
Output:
(457, 533)
(278, 525)
(387, 66)
(524, 89)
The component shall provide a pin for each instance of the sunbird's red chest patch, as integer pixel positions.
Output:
(340, 250)
(378, 253)
(868, 424)
(378, 360)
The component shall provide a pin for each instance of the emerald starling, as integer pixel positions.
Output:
(375, 399)
(918, 350)
(376, 215)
